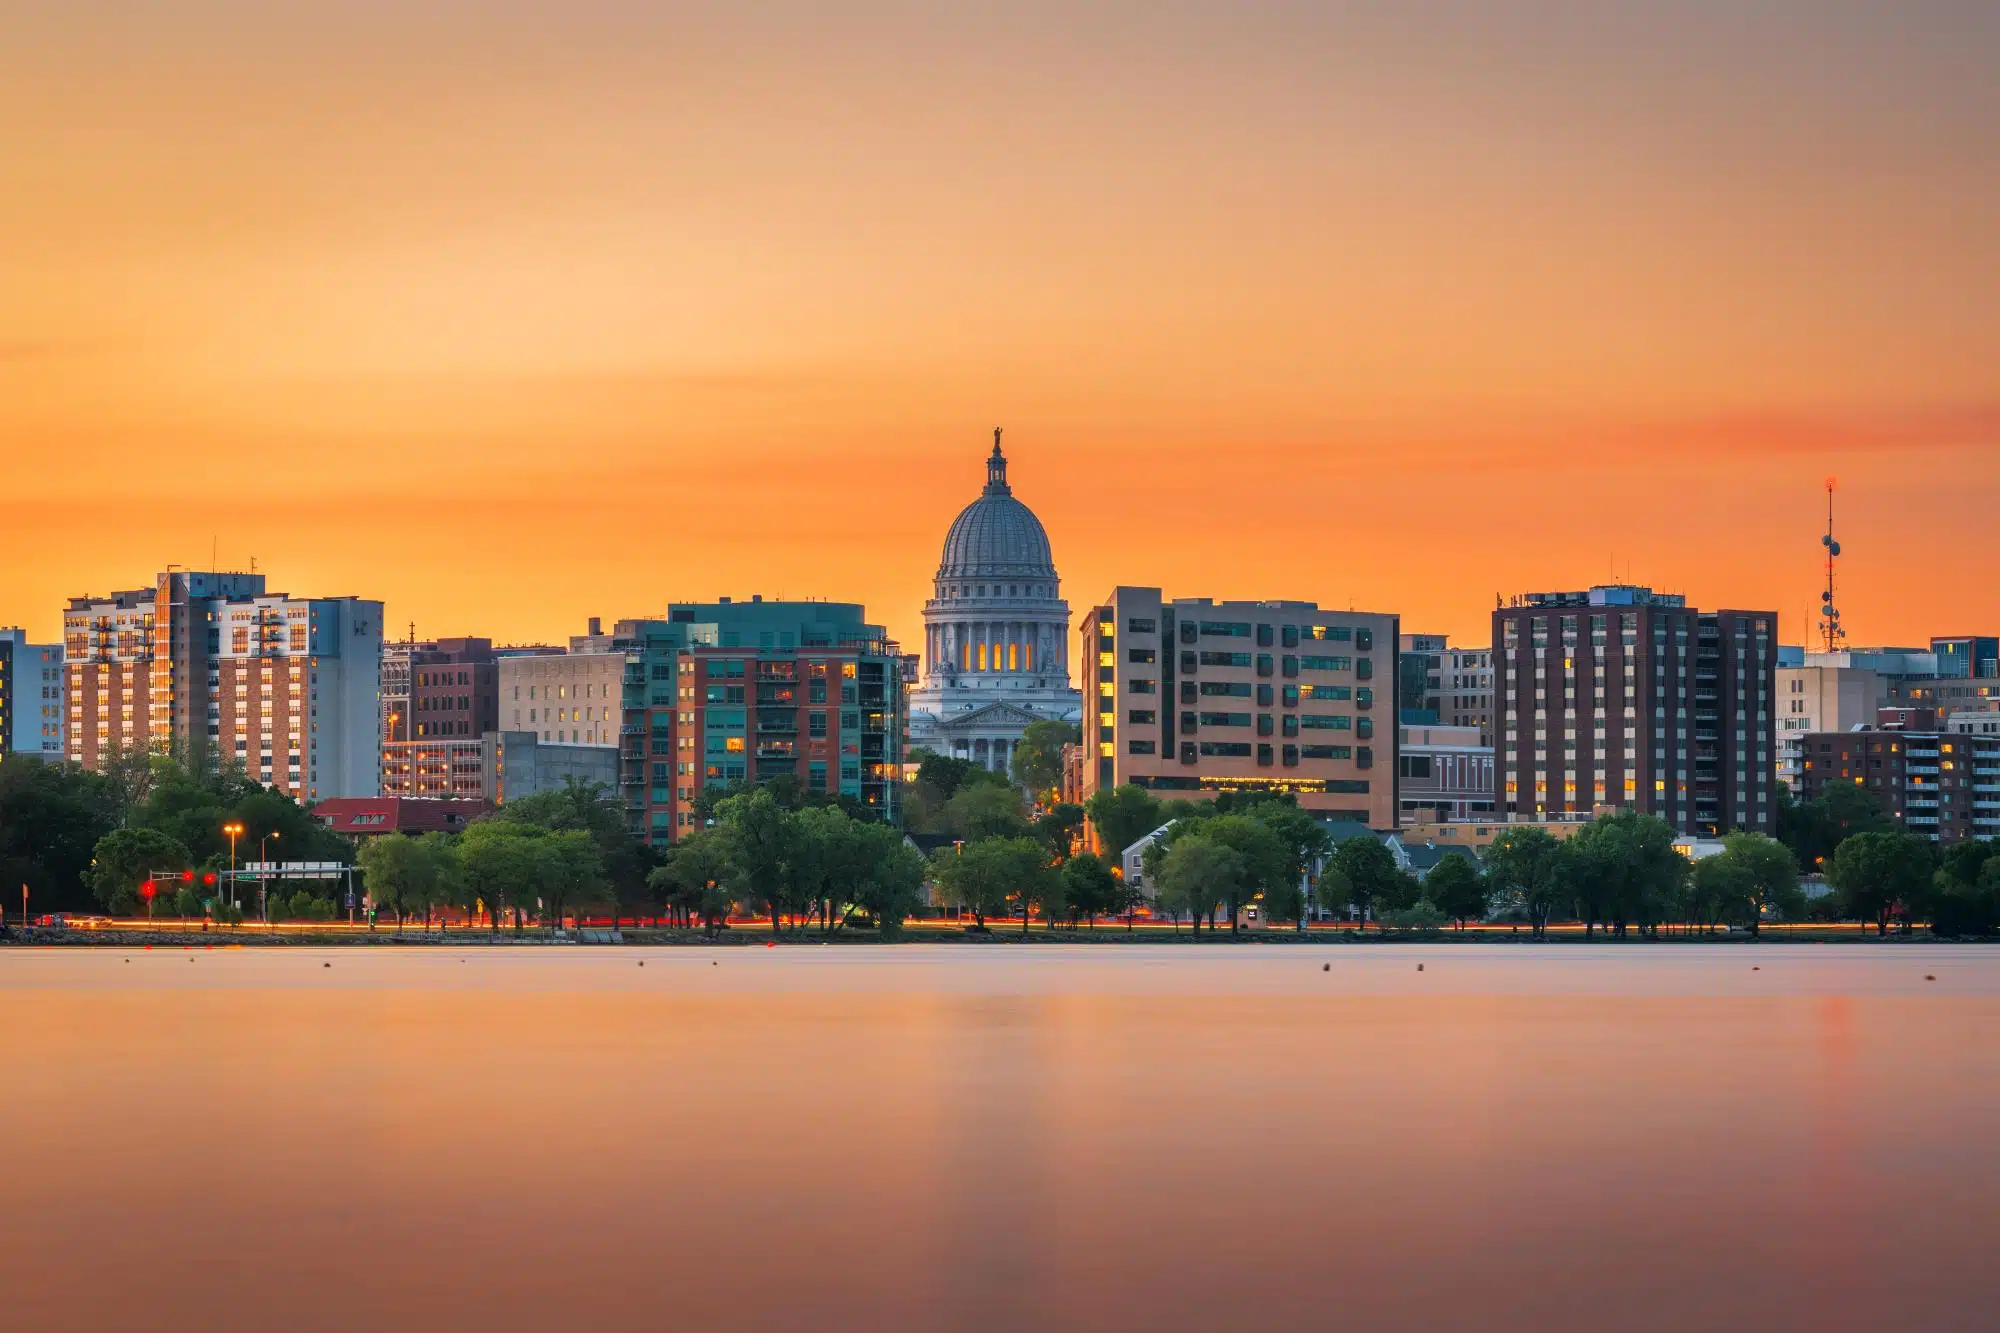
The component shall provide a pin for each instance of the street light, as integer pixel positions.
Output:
(264, 880)
(235, 831)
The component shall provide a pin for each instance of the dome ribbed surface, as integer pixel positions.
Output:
(996, 536)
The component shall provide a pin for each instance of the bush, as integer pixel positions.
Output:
(1962, 915)
(1424, 918)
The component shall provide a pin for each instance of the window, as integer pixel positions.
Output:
(1226, 749)
(1288, 636)
(1263, 664)
(1217, 659)
(1225, 629)
(1139, 626)
(1343, 693)
(1138, 747)
(1291, 724)
(1337, 633)
(816, 726)
(1264, 725)
(1312, 663)
(1225, 719)
(1232, 689)
(1326, 722)
(1264, 756)
(1291, 756)
(1264, 636)
(1141, 656)
(1138, 685)
(1188, 689)
(1142, 717)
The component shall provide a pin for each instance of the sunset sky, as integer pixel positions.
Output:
(512, 314)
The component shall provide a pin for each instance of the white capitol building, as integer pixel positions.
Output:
(996, 632)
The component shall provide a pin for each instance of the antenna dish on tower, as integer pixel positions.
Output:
(1830, 631)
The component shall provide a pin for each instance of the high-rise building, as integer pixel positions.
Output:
(733, 693)
(1196, 697)
(996, 632)
(1939, 784)
(571, 698)
(1822, 698)
(1621, 697)
(31, 696)
(213, 666)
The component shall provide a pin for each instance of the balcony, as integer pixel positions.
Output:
(776, 750)
(1921, 768)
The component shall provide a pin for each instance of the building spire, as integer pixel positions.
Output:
(996, 469)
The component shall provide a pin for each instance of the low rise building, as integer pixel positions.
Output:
(374, 816)
(1446, 775)
(1194, 698)
(517, 764)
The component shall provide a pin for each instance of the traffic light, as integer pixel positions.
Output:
(187, 876)
(147, 890)
(208, 880)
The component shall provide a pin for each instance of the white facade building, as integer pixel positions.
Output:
(996, 632)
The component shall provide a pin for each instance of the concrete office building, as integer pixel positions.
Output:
(1446, 775)
(517, 764)
(31, 697)
(996, 632)
(212, 665)
(731, 693)
(1822, 698)
(1195, 697)
(563, 698)
(1940, 784)
(1968, 657)
(1621, 697)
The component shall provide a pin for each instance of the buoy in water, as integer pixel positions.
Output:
(1929, 977)
(1326, 967)
(326, 964)
(1420, 967)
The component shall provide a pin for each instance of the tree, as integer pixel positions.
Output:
(126, 858)
(1720, 888)
(1089, 887)
(1267, 861)
(697, 876)
(1059, 829)
(1879, 873)
(572, 872)
(982, 877)
(1966, 897)
(1624, 869)
(392, 868)
(1457, 889)
(1122, 816)
(500, 865)
(1038, 755)
(1814, 829)
(1525, 865)
(891, 883)
(1196, 874)
(1773, 876)
(981, 810)
(1369, 870)
(762, 840)
(51, 818)
(1306, 843)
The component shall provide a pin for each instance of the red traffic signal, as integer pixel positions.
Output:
(187, 876)
(208, 880)
(147, 890)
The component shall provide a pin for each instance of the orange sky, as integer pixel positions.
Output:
(512, 314)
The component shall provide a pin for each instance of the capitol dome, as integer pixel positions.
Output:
(996, 536)
(996, 632)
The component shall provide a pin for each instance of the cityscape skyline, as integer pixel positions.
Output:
(511, 317)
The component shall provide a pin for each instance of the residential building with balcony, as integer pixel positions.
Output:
(1622, 697)
(729, 694)
(1942, 785)
(213, 666)
(1196, 697)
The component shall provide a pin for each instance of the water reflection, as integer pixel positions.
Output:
(1000, 1139)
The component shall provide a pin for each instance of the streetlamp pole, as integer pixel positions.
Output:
(235, 831)
(264, 880)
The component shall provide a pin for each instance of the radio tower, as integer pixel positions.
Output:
(1830, 632)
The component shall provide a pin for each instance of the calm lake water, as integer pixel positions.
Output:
(930, 1137)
